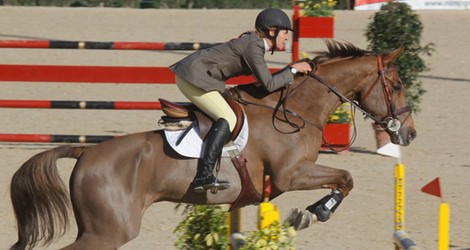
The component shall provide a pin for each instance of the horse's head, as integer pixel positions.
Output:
(385, 99)
(371, 79)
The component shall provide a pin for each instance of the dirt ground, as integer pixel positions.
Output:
(364, 220)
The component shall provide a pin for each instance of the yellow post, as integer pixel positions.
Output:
(399, 197)
(267, 212)
(401, 238)
(444, 215)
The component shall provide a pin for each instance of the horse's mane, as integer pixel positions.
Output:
(339, 50)
(336, 50)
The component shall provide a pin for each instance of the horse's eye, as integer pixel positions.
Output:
(396, 87)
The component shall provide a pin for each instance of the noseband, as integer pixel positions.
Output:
(390, 121)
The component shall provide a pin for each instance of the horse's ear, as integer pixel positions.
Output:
(392, 56)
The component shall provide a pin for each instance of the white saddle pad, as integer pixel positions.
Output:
(191, 145)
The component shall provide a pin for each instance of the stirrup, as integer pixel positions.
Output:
(210, 183)
(216, 186)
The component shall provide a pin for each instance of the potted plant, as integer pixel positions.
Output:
(336, 132)
(316, 18)
(397, 25)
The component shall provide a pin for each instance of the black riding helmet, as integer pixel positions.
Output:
(272, 18)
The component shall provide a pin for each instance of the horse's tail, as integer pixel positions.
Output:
(40, 199)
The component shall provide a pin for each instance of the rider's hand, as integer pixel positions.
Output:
(302, 67)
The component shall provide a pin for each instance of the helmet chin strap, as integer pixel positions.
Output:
(273, 40)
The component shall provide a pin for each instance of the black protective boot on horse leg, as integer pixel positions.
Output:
(326, 206)
(217, 137)
(319, 211)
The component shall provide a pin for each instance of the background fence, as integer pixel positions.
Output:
(43, 74)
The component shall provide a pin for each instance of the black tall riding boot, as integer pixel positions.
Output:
(218, 135)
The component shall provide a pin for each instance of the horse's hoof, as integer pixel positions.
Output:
(304, 220)
(300, 219)
(292, 217)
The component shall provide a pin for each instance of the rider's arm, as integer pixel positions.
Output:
(254, 58)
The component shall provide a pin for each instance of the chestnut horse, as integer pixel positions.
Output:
(114, 182)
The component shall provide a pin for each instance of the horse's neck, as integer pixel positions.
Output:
(307, 97)
(322, 101)
(347, 77)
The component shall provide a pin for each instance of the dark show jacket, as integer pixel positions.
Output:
(209, 68)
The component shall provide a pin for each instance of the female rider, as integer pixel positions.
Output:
(201, 78)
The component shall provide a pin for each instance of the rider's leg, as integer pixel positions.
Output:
(216, 138)
(213, 104)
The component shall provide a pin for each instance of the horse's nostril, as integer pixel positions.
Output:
(412, 135)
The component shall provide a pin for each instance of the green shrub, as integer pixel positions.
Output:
(273, 237)
(204, 227)
(396, 25)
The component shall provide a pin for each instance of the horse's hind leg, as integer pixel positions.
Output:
(107, 214)
(104, 227)
(105, 224)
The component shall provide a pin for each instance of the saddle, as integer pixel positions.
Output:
(186, 115)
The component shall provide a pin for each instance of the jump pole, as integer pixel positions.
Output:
(50, 138)
(94, 45)
(236, 239)
(51, 44)
(59, 104)
(96, 74)
(400, 237)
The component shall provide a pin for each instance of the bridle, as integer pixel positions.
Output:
(390, 121)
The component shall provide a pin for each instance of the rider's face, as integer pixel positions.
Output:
(281, 39)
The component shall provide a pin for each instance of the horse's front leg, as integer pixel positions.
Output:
(309, 176)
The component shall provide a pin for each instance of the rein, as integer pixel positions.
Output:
(286, 113)
(282, 102)
(390, 121)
